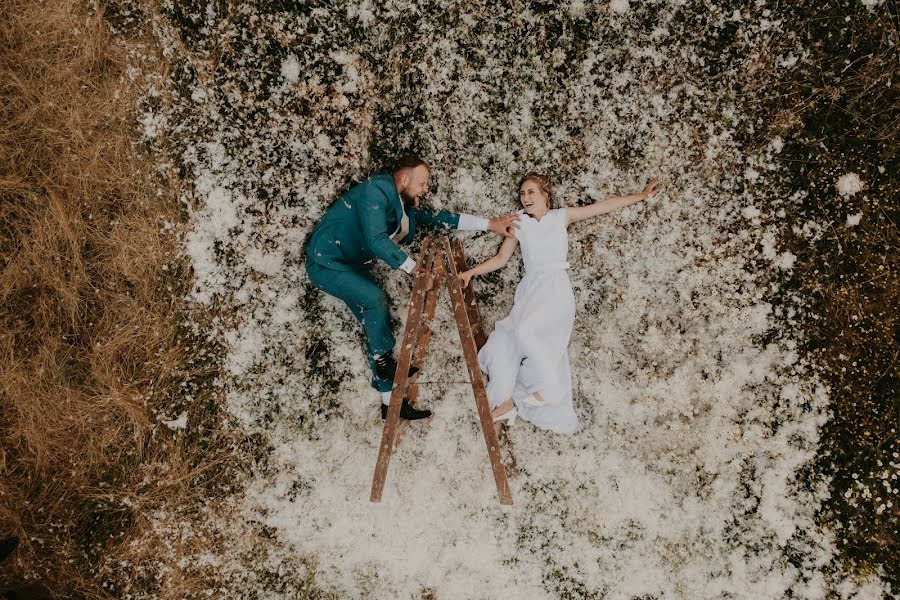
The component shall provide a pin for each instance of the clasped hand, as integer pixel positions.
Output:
(504, 225)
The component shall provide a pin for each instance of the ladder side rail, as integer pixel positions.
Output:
(470, 351)
(425, 333)
(427, 256)
(469, 293)
(423, 338)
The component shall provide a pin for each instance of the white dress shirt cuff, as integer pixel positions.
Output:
(408, 265)
(472, 223)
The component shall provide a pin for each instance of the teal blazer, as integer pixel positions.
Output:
(357, 227)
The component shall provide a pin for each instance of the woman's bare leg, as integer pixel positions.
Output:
(502, 408)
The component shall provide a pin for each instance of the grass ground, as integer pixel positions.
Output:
(841, 116)
(95, 347)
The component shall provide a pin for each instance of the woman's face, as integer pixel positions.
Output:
(533, 200)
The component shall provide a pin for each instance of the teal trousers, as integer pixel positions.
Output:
(368, 303)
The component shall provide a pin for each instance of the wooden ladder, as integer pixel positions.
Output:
(442, 259)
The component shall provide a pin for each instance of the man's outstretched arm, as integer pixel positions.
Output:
(466, 222)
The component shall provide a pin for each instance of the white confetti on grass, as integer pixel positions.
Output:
(178, 423)
(681, 484)
(290, 69)
(777, 144)
(750, 212)
(849, 184)
(199, 94)
(619, 6)
(786, 260)
(153, 125)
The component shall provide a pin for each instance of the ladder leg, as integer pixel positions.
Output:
(480, 339)
(470, 351)
(459, 260)
(401, 375)
(423, 338)
(424, 332)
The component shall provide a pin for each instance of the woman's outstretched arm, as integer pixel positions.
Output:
(493, 263)
(613, 203)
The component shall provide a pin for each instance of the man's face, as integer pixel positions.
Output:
(416, 185)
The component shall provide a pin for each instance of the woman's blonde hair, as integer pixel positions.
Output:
(542, 184)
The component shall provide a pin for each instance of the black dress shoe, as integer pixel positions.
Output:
(386, 366)
(406, 412)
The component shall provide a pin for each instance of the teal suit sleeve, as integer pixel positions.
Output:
(373, 222)
(442, 218)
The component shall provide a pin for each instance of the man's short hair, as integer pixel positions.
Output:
(407, 161)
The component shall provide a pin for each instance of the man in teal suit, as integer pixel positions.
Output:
(366, 223)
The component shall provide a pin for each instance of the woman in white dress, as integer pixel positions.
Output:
(526, 357)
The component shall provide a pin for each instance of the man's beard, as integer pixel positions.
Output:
(408, 201)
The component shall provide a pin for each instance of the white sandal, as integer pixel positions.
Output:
(534, 400)
(509, 416)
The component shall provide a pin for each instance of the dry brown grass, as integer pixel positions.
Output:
(87, 312)
(96, 344)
